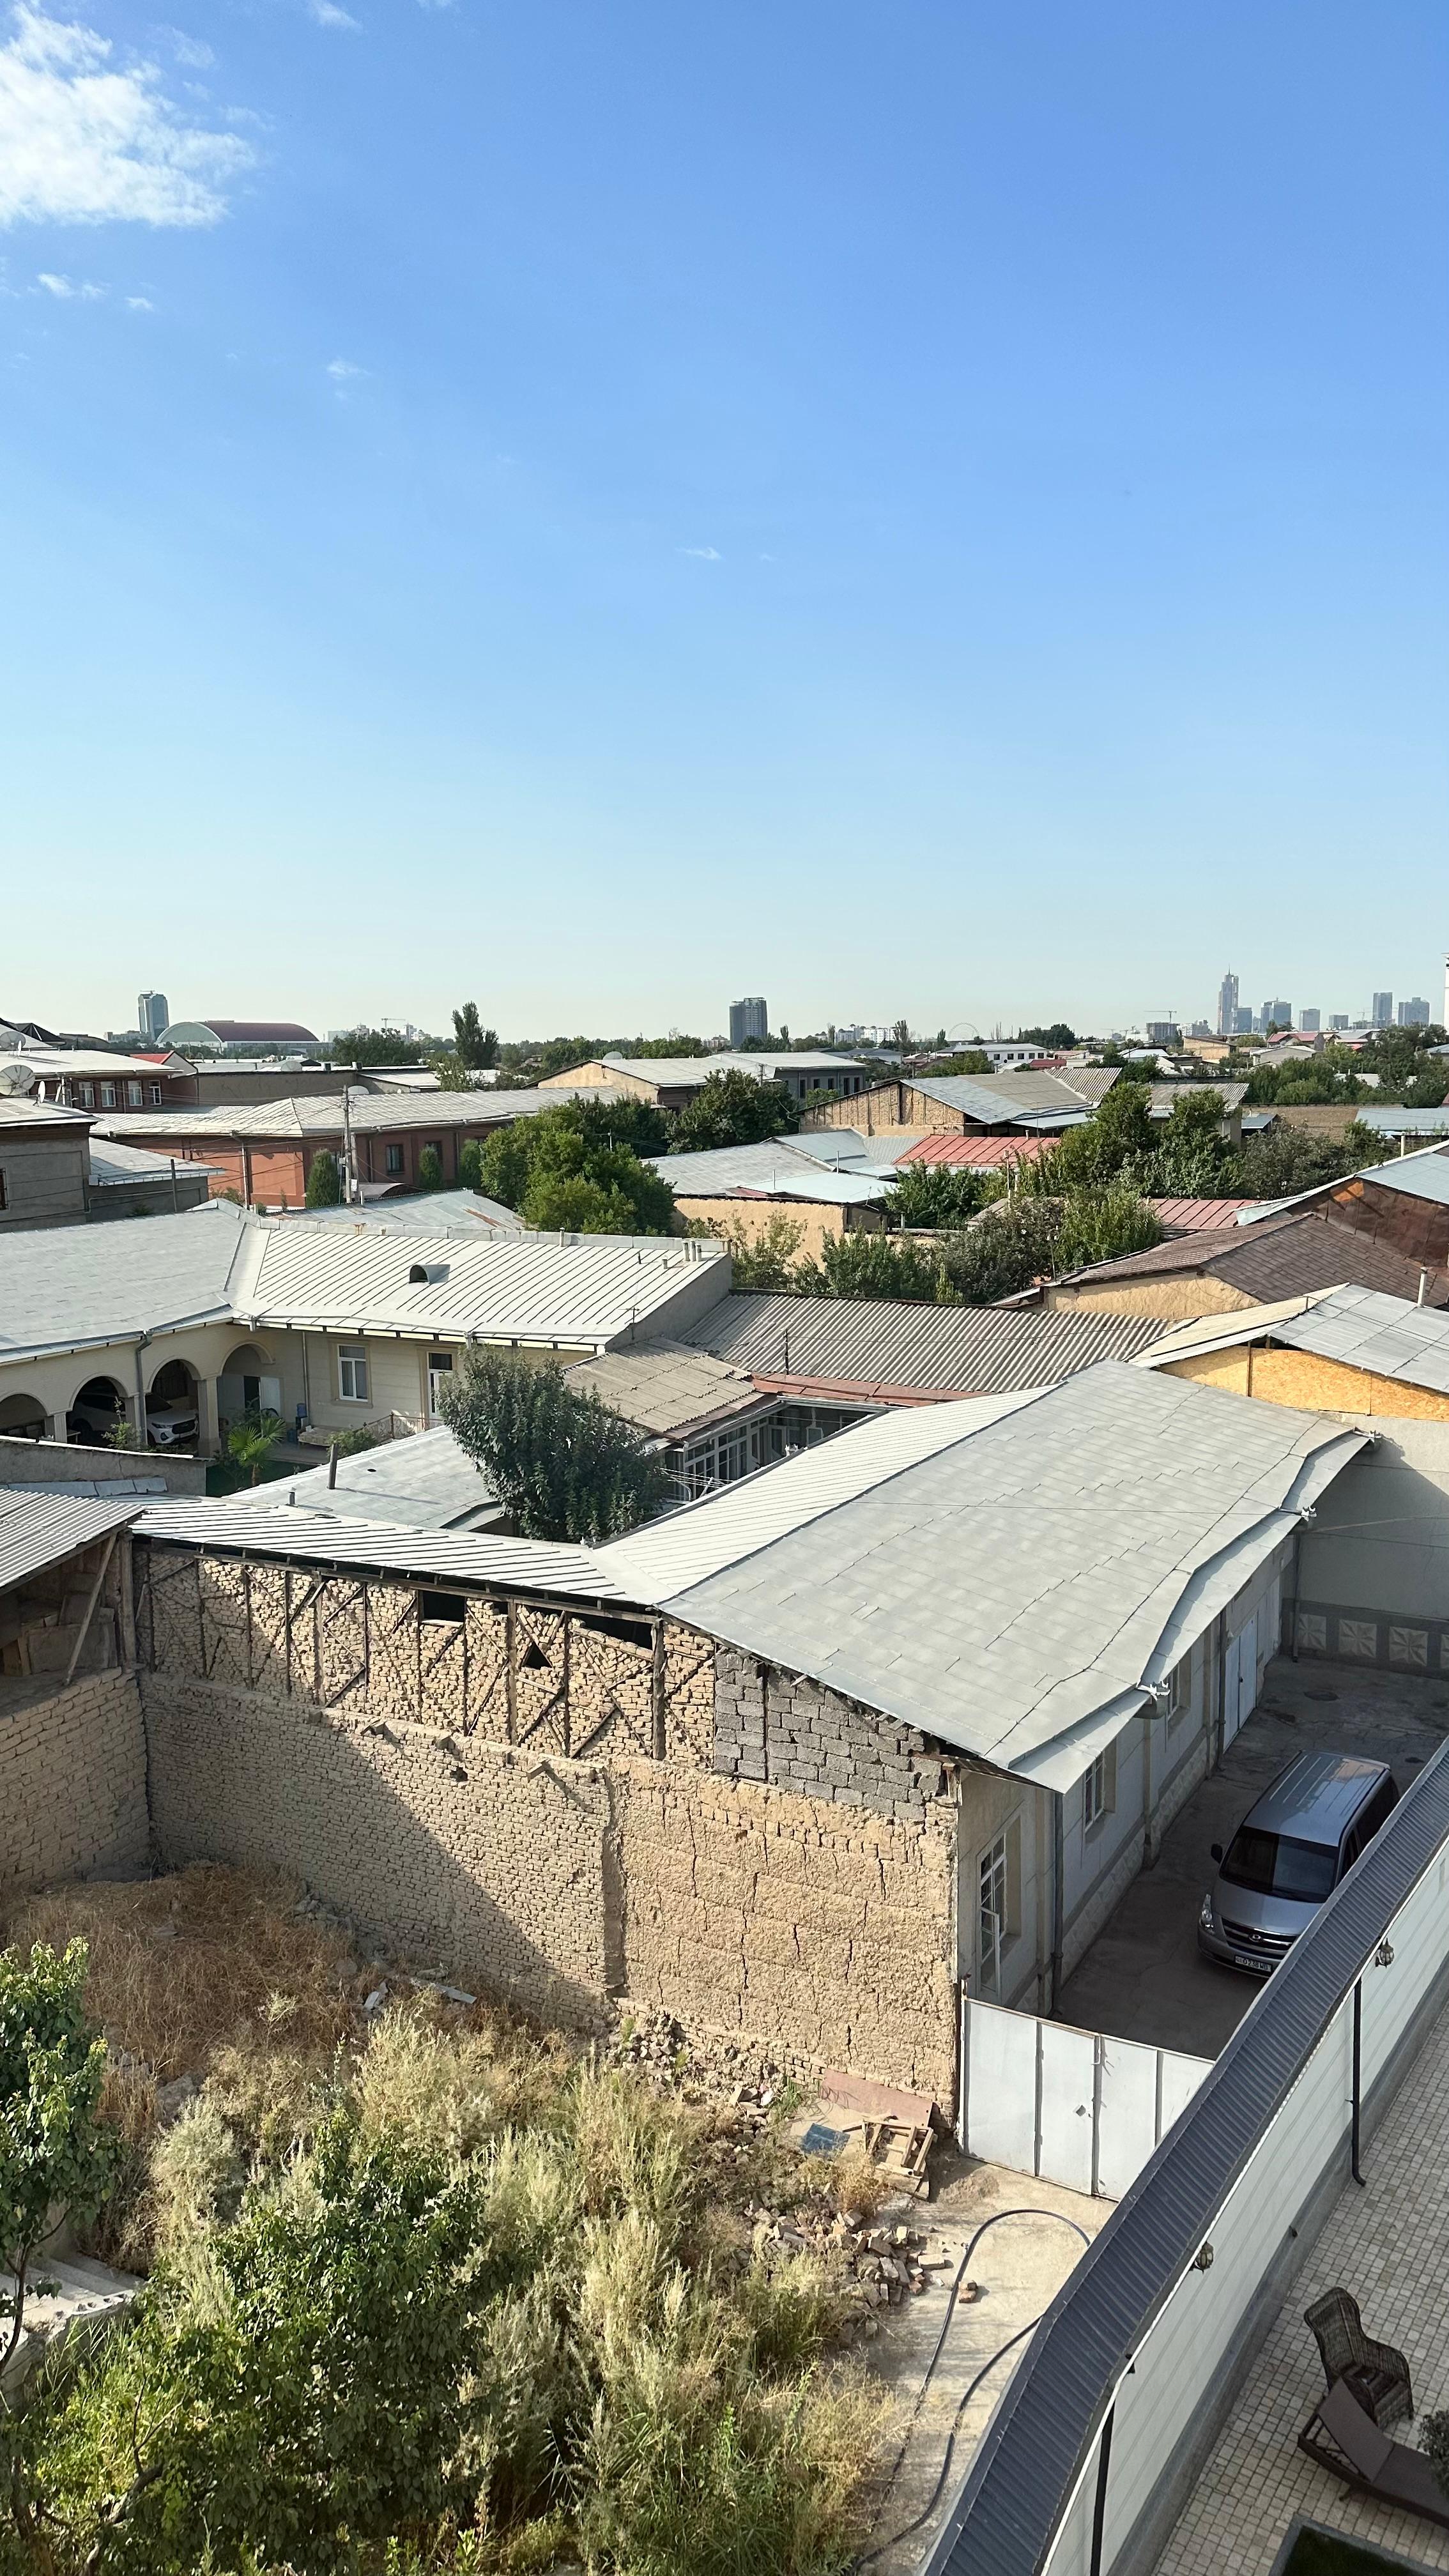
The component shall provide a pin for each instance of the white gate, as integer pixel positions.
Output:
(1071, 2106)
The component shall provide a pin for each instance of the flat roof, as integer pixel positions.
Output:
(319, 1114)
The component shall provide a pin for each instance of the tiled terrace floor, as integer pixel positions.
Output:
(1389, 2245)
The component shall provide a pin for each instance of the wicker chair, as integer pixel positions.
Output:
(1376, 2373)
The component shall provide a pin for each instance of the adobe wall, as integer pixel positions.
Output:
(530, 1795)
(72, 1782)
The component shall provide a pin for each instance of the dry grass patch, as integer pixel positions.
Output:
(180, 1966)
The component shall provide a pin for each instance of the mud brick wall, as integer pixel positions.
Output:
(756, 1910)
(773, 1727)
(531, 1795)
(72, 1784)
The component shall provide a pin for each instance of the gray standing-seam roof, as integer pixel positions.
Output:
(319, 1114)
(774, 1169)
(1405, 1122)
(878, 1342)
(460, 1212)
(114, 1163)
(20, 1111)
(1012, 1583)
(1001, 1099)
(40, 1529)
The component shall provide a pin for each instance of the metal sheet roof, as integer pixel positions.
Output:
(1041, 2435)
(983, 1153)
(113, 1163)
(999, 1099)
(463, 1212)
(425, 1482)
(998, 1575)
(20, 1111)
(318, 1116)
(666, 1386)
(38, 1529)
(533, 1287)
(873, 1341)
(317, 1538)
(1387, 1336)
(80, 1283)
(1405, 1122)
(1417, 1176)
(769, 1170)
(1197, 1216)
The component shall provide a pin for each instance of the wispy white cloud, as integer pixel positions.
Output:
(84, 142)
(703, 554)
(341, 370)
(66, 288)
(190, 52)
(325, 13)
(139, 304)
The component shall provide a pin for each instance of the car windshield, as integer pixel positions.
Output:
(1276, 1865)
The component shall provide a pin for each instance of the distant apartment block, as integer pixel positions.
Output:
(749, 1019)
(1414, 1013)
(1339, 1020)
(1310, 1022)
(1228, 1019)
(1275, 1015)
(1382, 1011)
(153, 1014)
(1163, 1033)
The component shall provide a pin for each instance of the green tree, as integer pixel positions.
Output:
(318, 2399)
(765, 1260)
(734, 1108)
(364, 1045)
(1103, 1225)
(574, 1167)
(470, 1165)
(935, 1194)
(451, 1071)
(251, 1440)
(1052, 1041)
(57, 2158)
(963, 1060)
(324, 1181)
(674, 1044)
(475, 1046)
(1121, 1131)
(560, 1463)
(874, 1265)
(430, 1168)
(1010, 1246)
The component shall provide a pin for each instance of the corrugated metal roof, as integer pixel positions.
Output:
(1418, 1176)
(532, 1287)
(318, 1115)
(999, 1099)
(847, 1149)
(317, 1538)
(1002, 1576)
(1197, 1216)
(1161, 1095)
(665, 1386)
(425, 1482)
(974, 1153)
(1041, 2435)
(449, 1212)
(38, 1529)
(873, 1341)
(113, 1163)
(1387, 1336)
(1406, 1122)
(19, 1112)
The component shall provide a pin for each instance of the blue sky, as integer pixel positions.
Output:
(598, 506)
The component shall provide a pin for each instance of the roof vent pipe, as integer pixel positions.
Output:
(1423, 1284)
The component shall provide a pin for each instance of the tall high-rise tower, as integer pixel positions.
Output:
(153, 1014)
(1228, 1001)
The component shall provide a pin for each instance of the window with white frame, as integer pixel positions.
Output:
(133, 1095)
(87, 1092)
(720, 1459)
(108, 1095)
(998, 1905)
(153, 1094)
(440, 1374)
(1179, 1691)
(1099, 1790)
(352, 1374)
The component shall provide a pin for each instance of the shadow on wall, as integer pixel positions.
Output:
(471, 1858)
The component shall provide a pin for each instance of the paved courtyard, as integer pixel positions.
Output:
(1389, 2245)
(1142, 1977)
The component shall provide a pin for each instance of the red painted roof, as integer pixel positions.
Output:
(1198, 1216)
(979, 1153)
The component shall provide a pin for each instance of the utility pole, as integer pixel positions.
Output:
(349, 1152)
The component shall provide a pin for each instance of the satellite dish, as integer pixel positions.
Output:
(16, 1080)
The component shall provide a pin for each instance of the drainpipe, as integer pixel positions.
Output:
(143, 1343)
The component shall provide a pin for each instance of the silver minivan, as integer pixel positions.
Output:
(1288, 1855)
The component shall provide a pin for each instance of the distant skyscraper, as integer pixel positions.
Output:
(1275, 1015)
(1228, 1003)
(1414, 1014)
(749, 1019)
(1339, 1020)
(153, 1014)
(1382, 1011)
(1310, 1022)
(1242, 1024)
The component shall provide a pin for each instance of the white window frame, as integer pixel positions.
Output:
(108, 1095)
(440, 1374)
(153, 1093)
(998, 1906)
(353, 1376)
(1179, 1691)
(1099, 1791)
(133, 1095)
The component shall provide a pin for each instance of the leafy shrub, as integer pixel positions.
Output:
(561, 1464)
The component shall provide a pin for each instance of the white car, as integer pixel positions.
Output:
(168, 1424)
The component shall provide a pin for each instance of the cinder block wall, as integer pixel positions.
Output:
(530, 1795)
(72, 1784)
